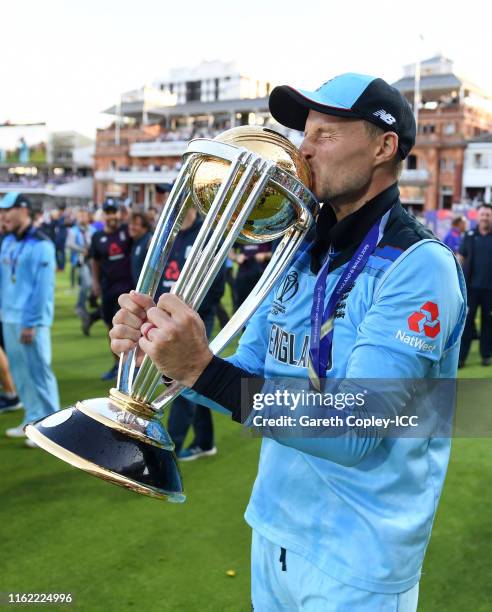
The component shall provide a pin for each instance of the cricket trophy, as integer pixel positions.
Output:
(251, 185)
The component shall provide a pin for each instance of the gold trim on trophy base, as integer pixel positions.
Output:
(126, 422)
(96, 470)
(125, 402)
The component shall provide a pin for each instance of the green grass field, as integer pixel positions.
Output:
(64, 531)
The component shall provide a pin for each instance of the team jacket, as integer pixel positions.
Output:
(27, 279)
(359, 508)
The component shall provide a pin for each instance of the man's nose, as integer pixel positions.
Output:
(306, 149)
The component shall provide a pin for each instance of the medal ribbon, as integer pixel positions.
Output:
(322, 322)
(17, 251)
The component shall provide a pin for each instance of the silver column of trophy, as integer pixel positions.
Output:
(251, 185)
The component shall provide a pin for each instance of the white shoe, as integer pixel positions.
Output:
(16, 432)
(29, 443)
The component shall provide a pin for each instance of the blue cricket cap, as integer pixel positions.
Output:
(14, 199)
(351, 95)
(111, 205)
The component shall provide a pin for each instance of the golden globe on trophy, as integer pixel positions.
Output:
(251, 185)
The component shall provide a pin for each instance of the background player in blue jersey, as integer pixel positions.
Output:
(27, 289)
(342, 522)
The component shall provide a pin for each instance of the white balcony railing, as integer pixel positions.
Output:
(137, 177)
(171, 148)
(414, 177)
(104, 175)
(76, 188)
(477, 177)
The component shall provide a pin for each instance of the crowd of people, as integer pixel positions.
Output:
(473, 248)
(106, 250)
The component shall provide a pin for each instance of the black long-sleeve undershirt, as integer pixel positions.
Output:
(221, 382)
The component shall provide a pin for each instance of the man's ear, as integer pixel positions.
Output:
(388, 147)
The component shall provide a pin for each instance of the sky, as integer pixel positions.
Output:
(64, 61)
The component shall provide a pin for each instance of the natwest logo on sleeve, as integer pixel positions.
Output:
(425, 320)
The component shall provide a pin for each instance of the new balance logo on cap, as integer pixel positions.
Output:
(384, 116)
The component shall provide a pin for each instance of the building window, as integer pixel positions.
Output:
(412, 162)
(449, 128)
(447, 165)
(216, 84)
(427, 128)
(477, 160)
(446, 197)
(171, 88)
(135, 194)
(193, 91)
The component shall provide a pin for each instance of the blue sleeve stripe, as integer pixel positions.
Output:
(388, 252)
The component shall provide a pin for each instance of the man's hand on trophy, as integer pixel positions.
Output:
(128, 321)
(174, 338)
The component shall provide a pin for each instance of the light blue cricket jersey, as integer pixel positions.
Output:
(360, 509)
(27, 279)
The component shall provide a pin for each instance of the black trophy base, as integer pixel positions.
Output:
(109, 453)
